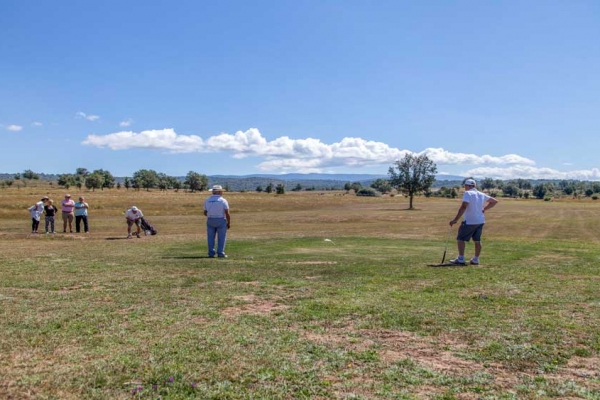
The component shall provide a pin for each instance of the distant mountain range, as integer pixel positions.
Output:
(290, 181)
(327, 177)
(294, 181)
(278, 177)
(310, 181)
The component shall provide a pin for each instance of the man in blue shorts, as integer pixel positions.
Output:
(474, 205)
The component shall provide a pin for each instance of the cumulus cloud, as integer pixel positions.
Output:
(83, 115)
(163, 139)
(529, 172)
(14, 128)
(442, 156)
(287, 154)
(126, 123)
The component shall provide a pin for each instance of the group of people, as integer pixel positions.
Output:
(70, 211)
(218, 219)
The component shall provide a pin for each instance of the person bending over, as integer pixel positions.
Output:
(134, 217)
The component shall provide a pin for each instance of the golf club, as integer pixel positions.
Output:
(446, 246)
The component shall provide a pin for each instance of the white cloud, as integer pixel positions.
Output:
(287, 154)
(441, 156)
(164, 139)
(88, 117)
(37, 123)
(126, 123)
(529, 172)
(14, 128)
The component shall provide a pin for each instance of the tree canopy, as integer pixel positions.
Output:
(196, 181)
(412, 175)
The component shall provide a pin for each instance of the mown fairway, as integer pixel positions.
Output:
(291, 315)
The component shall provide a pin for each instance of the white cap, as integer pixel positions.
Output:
(470, 182)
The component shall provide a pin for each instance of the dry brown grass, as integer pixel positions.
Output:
(325, 214)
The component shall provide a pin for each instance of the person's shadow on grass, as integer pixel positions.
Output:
(185, 257)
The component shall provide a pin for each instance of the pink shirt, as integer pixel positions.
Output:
(67, 205)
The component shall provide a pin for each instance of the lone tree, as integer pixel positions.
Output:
(413, 174)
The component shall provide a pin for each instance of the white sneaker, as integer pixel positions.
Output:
(129, 236)
(474, 261)
(458, 261)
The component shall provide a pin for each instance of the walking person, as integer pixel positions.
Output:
(67, 205)
(81, 214)
(218, 220)
(474, 205)
(35, 211)
(134, 217)
(50, 211)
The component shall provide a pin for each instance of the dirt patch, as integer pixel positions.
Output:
(255, 306)
(264, 307)
(579, 367)
(439, 354)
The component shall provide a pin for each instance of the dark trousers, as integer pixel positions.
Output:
(78, 219)
(34, 224)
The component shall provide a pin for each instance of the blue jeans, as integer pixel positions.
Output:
(216, 227)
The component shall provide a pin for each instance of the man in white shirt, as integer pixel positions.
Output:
(134, 216)
(474, 205)
(218, 220)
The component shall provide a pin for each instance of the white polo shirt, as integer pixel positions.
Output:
(474, 213)
(130, 215)
(215, 206)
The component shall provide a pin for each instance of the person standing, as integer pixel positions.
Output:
(67, 205)
(218, 220)
(134, 216)
(35, 211)
(50, 210)
(474, 205)
(81, 214)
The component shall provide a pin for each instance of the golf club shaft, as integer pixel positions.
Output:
(446, 246)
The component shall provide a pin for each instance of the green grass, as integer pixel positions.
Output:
(289, 315)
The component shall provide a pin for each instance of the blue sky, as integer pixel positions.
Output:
(505, 89)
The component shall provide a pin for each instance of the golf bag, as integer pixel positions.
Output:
(148, 227)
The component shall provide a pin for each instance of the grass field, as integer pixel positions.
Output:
(290, 315)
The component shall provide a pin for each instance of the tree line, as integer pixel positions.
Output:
(412, 176)
(102, 179)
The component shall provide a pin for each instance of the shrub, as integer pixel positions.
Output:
(548, 198)
(368, 192)
(594, 197)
